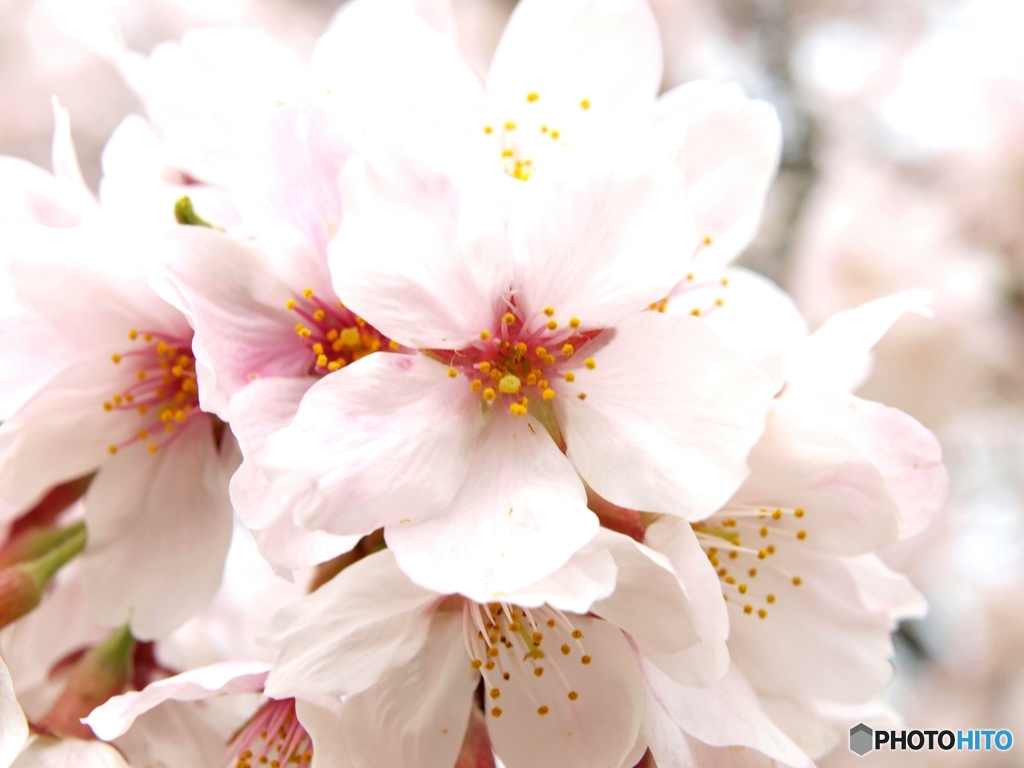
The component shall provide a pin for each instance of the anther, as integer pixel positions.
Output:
(584, 103)
(549, 311)
(569, 376)
(797, 581)
(762, 613)
(290, 304)
(542, 710)
(801, 535)
(573, 695)
(567, 350)
(565, 649)
(308, 293)
(495, 693)
(707, 240)
(748, 609)
(112, 449)
(552, 325)
(496, 712)
(586, 660)
(485, 335)
(452, 373)
(508, 318)
(799, 513)
(582, 395)
(538, 672)
(574, 322)
(532, 96)
(695, 312)
(116, 358)
(549, 394)
(490, 394)
(590, 363)
(770, 599)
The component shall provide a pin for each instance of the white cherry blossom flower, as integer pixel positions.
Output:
(549, 658)
(543, 328)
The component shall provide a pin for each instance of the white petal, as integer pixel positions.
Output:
(402, 84)
(322, 721)
(838, 354)
(342, 638)
(519, 515)
(670, 414)
(755, 316)
(600, 240)
(180, 735)
(883, 589)
(800, 463)
(13, 725)
(227, 289)
(587, 577)
(728, 147)
(606, 52)
(45, 752)
(159, 530)
(726, 714)
(820, 639)
(416, 714)
(423, 259)
(387, 438)
(30, 195)
(116, 716)
(708, 660)
(906, 453)
(65, 158)
(585, 733)
(649, 601)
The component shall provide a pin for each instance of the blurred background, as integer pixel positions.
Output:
(903, 166)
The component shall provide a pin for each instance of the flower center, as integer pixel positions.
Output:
(163, 391)
(334, 335)
(505, 641)
(721, 537)
(517, 360)
(273, 737)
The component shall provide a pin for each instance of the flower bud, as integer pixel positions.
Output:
(22, 585)
(476, 748)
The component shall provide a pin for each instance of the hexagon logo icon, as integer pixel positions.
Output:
(861, 739)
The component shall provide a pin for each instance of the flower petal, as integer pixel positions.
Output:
(800, 463)
(520, 514)
(13, 724)
(423, 259)
(587, 577)
(227, 289)
(667, 437)
(46, 752)
(30, 195)
(708, 660)
(115, 717)
(342, 638)
(604, 52)
(883, 589)
(649, 601)
(159, 530)
(582, 732)
(726, 714)
(434, 105)
(322, 721)
(387, 438)
(599, 240)
(728, 147)
(416, 714)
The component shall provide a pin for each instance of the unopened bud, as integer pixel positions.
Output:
(104, 671)
(36, 542)
(476, 747)
(615, 518)
(23, 584)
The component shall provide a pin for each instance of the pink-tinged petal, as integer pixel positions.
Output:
(180, 734)
(725, 714)
(424, 260)
(416, 714)
(86, 282)
(587, 577)
(205, 93)
(801, 463)
(708, 660)
(520, 514)
(605, 54)
(434, 104)
(230, 293)
(260, 409)
(838, 354)
(670, 414)
(387, 438)
(883, 589)
(344, 637)
(905, 452)
(13, 724)
(818, 639)
(580, 732)
(749, 311)
(600, 240)
(649, 601)
(45, 752)
(323, 722)
(30, 195)
(159, 530)
(116, 716)
(728, 147)
(65, 159)
(61, 433)
(290, 195)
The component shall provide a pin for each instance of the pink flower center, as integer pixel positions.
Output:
(273, 737)
(334, 335)
(163, 391)
(518, 360)
(506, 642)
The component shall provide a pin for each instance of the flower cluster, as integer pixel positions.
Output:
(466, 357)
